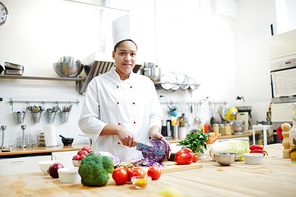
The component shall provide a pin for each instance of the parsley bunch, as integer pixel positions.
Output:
(195, 141)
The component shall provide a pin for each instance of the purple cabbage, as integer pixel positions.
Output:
(146, 163)
(159, 144)
(116, 160)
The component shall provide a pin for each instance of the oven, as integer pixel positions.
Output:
(282, 49)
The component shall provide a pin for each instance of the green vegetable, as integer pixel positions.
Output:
(95, 170)
(195, 141)
(172, 156)
(232, 146)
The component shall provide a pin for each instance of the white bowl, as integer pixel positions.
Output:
(253, 158)
(44, 165)
(69, 175)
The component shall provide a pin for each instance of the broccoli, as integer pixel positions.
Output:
(95, 170)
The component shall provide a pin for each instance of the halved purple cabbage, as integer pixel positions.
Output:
(159, 144)
(116, 160)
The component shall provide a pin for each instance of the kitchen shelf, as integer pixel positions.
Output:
(78, 80)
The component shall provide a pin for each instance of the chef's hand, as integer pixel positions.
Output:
(154, 132)
(126, 137)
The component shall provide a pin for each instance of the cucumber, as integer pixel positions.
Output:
(172, 157)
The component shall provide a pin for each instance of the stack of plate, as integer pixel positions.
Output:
(174, 81)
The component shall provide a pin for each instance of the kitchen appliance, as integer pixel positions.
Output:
(245, 118)
(231, 113)
(282, 48)
(238, 127)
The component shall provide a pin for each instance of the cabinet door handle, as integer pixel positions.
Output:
(16, 162)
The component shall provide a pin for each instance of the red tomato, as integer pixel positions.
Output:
(129, 172)
(184, 156)
(195, 158)
(138, 172)
(120, 175)
(154, 172)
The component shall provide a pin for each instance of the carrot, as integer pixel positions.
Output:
(211, 136)
(215, 138)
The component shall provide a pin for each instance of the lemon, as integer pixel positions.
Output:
(170, 192)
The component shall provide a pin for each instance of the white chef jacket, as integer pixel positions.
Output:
(132, 104)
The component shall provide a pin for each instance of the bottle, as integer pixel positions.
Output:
(292, 136)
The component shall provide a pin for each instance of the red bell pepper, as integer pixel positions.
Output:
(258, 149)
(184, 156)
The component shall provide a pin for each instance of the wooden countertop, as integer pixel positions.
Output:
(275, 177)
(76, 147)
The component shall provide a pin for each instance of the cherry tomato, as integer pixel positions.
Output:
(138, 172)
(195, 158)
(154, 172)
(120, 175)
(129, 172)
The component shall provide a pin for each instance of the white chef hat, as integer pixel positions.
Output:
(121, 29)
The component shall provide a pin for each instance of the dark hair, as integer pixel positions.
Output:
(118, 44)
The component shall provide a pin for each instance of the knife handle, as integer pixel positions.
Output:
(135, 143)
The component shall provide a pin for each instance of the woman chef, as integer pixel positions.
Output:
(120, 107)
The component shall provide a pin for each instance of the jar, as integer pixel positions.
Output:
(221, 129)
(216, 129)
(227, 129)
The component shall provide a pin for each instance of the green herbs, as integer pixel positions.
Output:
(195, 141)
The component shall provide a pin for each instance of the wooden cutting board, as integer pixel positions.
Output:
(171, 166)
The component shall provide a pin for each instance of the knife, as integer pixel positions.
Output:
(148, 149)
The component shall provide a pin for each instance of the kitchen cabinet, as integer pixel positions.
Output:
(21, 164)
(78, 80)
(30, 163)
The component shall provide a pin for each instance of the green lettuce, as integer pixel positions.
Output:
(232, 146)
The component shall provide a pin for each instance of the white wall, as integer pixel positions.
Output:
(252, 28)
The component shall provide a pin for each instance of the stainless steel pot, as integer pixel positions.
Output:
(154, 73)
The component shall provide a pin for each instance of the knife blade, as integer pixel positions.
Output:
(148, 149)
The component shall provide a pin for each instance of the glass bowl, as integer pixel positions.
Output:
(140, 182)
(76, 163)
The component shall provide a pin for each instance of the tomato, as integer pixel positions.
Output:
(120, 175)
(195, 158)
(129, 172)
(184, 156)
(154, 172)
(138, 172)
